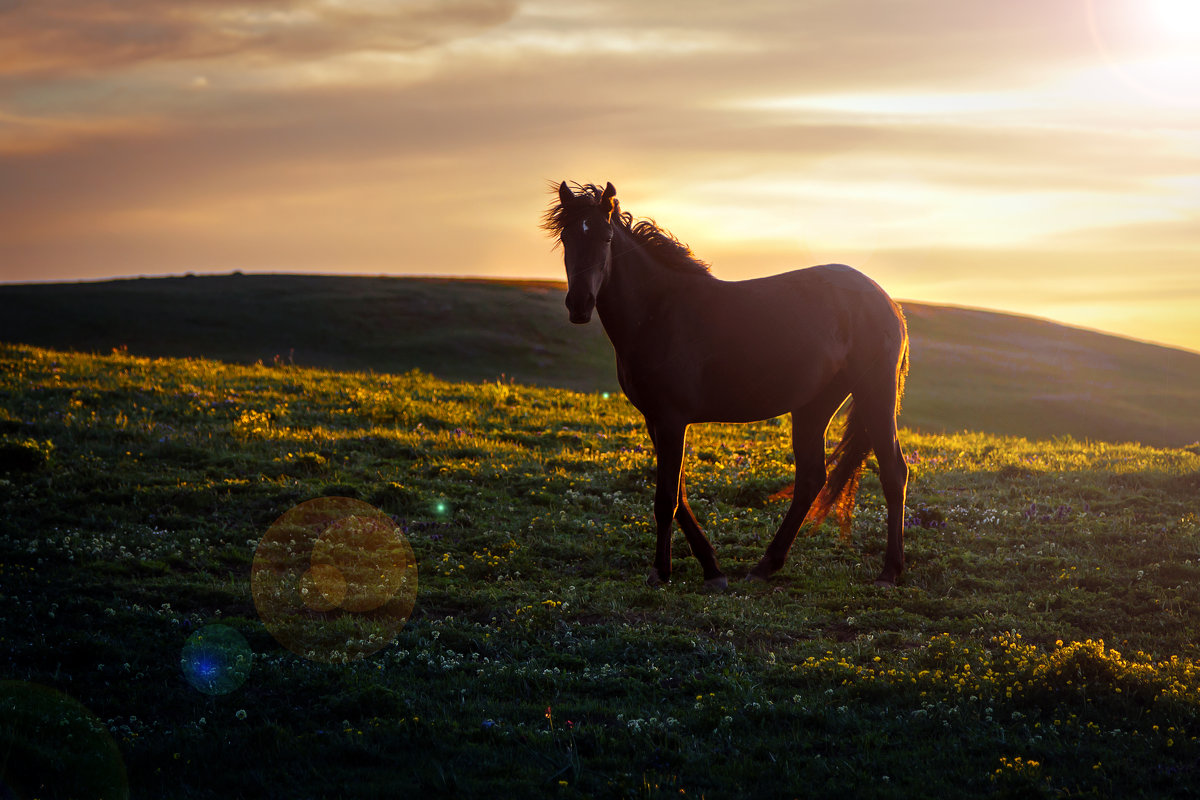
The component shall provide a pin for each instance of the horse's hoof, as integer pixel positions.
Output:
(761, 572)
(717, 584)
(892, 569)
(653, 579)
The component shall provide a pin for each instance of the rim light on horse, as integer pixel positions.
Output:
(691, 348)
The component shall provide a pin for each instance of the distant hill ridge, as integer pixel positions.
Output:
(971, 369)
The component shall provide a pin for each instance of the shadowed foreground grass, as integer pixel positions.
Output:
(1042, 643)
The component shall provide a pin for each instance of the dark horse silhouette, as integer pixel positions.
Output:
(691, 348)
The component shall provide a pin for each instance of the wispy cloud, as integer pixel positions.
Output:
(920, 138)
(57, 38)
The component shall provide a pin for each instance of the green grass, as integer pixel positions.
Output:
(1041, 644)
(971, 370)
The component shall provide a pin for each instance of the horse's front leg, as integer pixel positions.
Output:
(702, 549)
(668, 446)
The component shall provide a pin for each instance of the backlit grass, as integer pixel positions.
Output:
(1042, 642)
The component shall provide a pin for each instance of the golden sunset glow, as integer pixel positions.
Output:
(1036, 157)
(1177, 19)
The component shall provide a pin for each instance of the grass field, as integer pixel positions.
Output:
(972, 370)
(1041, 644)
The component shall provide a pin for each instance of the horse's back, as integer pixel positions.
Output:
(831, 280)
(831, 288)
(853, 313)
(734, 351)
(855, 290)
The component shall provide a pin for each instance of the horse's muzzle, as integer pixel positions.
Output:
(580, 313)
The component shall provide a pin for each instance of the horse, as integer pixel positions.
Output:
(691, 348)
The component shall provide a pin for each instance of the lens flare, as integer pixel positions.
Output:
(323, 587)
(334, 579)
(51, 746)
(216, 660)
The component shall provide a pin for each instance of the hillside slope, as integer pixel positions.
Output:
(972, 370)
(1002, 373)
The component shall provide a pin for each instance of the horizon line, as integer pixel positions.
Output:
(514, 280)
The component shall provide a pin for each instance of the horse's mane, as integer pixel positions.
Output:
(659, 242)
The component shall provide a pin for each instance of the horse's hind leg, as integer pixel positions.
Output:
(880, 421)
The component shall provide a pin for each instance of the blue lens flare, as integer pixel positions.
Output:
(216, 660)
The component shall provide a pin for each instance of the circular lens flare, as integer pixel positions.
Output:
(334, 579)
(360, 560)
(216, 660)
(51, 746)
(323, 587)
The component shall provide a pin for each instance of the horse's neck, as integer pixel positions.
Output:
(634, 293)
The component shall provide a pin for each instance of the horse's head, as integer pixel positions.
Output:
(586, 230)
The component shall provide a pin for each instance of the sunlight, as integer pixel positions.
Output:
(1176, 19)
(894, 104)
(1151, 47)
(839, 211)
(1173, 78)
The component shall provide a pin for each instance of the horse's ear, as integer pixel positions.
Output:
(607, 201)
(564, 194)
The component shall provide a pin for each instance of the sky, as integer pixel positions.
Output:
(1034, 156)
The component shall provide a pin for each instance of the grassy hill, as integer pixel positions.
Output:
(1041, 643)
(972, 370)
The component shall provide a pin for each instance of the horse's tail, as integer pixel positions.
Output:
(844, 468)
(845, 465)
(902, 371)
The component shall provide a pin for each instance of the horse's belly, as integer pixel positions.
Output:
(751, 390)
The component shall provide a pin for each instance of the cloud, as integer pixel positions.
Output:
(1180, 233)
(417, 136)
(57, 38)
(78, 71)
